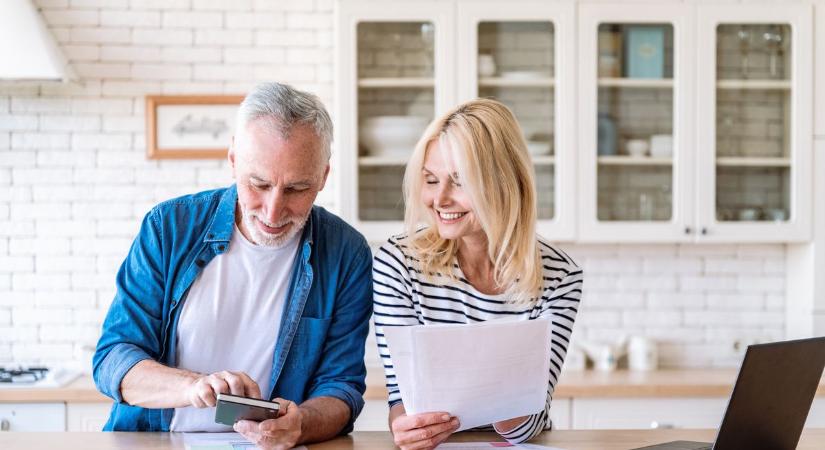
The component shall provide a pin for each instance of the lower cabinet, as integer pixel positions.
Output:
(87, 416)
(373, 417)
(641, 413)
(32, 416)
(816, 416)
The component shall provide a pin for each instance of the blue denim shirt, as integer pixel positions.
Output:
(320, 347)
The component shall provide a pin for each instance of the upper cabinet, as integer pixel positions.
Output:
(635, 146)
(754, 123)
(671, 122)
(523, 56)
(404, 63)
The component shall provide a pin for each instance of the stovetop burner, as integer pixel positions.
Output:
(22, 375)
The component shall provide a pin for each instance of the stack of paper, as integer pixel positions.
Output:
(482, 373)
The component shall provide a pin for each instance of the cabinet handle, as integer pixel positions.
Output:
(659, 426)
(704, 231)
(688, 230)
(5, 425)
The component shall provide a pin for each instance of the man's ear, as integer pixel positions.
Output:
(230, 156)
(324, 181)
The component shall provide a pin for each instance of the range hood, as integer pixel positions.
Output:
(27, 49)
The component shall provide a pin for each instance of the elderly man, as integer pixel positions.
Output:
(249, 290)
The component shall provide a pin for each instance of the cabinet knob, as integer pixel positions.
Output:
(704, 231)
(688, 230)
(5, 425)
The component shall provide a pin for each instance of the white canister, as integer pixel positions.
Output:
(642, 354)
(486, 65)
(661, 145)
(575, 359)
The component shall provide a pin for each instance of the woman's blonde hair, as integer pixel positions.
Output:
(483, 141)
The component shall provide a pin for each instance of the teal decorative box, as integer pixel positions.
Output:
(644, 51)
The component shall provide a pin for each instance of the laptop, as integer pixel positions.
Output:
(770, 400)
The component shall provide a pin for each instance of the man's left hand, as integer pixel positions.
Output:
(274, 434)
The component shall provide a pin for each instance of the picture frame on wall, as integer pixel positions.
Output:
(190, 126)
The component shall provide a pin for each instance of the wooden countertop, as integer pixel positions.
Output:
(622, 383)
(812, 439)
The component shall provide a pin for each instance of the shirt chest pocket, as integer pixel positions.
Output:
(308, 345)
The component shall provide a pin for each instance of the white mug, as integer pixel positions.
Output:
(642, 354)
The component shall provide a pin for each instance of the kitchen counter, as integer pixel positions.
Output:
(573, 384)
(571, 440)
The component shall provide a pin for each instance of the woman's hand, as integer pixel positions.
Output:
(422, 431)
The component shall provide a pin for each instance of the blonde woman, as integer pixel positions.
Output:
(470, 180)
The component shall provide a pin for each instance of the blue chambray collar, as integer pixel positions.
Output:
(223, 223)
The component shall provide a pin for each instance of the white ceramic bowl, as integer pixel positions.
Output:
(392, 135)
(637, 147)
(538, 148)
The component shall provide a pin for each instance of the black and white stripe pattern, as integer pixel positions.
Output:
(402, 297)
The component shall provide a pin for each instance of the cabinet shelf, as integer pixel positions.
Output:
(511, 82)
(733, 161)
(634, 161)
(544, 160)
(399, 82)
(654, 83)
(779, 85)
(382, 160)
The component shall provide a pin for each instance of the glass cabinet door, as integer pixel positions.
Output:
(524, 57)
(395, 104)
(753, 119)
(634, 120)
(516, 67)
(754, 123)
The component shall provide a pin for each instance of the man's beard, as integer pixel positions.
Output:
(259, 237)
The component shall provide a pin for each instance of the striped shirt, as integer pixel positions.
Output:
(401, 296)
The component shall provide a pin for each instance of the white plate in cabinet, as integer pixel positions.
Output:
(87, 416)
(635, 413)
(33, 416)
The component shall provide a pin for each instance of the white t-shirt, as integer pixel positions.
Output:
(231, 318)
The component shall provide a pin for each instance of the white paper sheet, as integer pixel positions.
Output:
(491, 445)
(219, 441)
(482, 373)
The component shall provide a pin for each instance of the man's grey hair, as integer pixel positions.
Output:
(287, 107)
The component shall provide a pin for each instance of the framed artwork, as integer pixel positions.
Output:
(190, 126)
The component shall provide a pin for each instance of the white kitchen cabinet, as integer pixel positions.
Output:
(528, 63)
(87, 416)
(693, 122)
(754, 123)
(730, 86)
(816, 416)
(418, 59)
(560, 413)
(628, 93)
(373, 417)
(641, 413)
(33, 416)
(396, 66)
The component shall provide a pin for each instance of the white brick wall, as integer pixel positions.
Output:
(74, 183)
(696, 301)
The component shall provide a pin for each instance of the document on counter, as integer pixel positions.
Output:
(219, 441)
(482, 373)
(489, 445)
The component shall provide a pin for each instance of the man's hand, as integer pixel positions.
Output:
(423, 431)
(203, 392)
(274, 434)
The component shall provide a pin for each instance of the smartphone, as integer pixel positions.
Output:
(232, 408)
